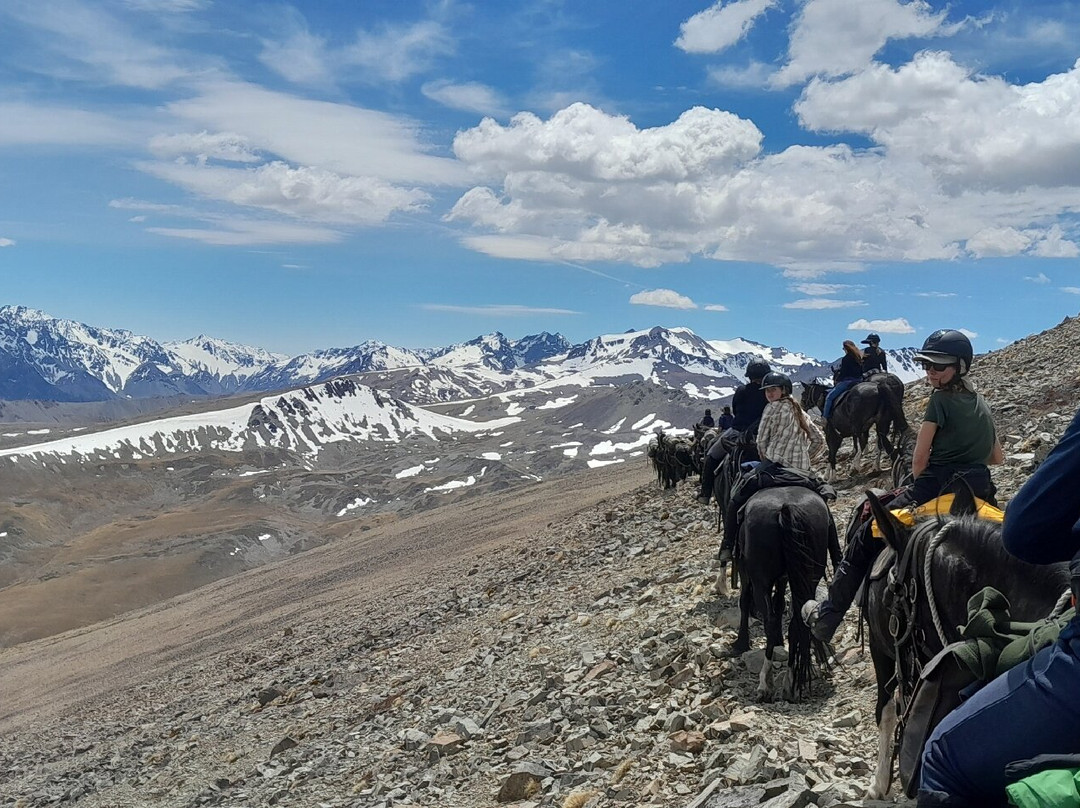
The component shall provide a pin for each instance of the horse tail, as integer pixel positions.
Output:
(804, 570)
(895, 404)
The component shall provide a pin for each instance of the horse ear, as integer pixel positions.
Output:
(963, 503)
(891, 528)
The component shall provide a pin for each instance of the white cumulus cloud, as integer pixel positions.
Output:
(838, 37)
(7, 242)
(720, 26)
(662, 297)
(897, 325)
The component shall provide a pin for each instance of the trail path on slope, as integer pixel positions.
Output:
(47, 679)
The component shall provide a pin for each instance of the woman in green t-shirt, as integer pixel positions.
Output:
(956, 442)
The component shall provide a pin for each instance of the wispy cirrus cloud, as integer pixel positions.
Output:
(820, 288)
(7, 242)
(1041, 278)
(1071, 290)
(497, 310)
(897, 325)
(468, 96)
(934, 294)
(241, 232)
(823, 303)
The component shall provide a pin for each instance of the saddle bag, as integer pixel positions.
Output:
(942, 686)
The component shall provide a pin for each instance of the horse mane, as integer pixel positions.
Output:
(971, 551)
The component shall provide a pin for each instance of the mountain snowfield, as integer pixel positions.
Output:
(46, 358)
(302, 421)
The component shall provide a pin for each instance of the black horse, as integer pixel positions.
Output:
(783, 542)
(701, 443)
(868, 403)
(671, 457)
(914, 611)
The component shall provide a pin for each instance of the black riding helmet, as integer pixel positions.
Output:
(775, 379)
(757, 370)
(947, 346)
(871, 339)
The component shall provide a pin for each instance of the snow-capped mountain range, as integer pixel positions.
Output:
(46, 358)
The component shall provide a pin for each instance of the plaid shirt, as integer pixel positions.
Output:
(782, 440)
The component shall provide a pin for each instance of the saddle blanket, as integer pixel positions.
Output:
(940, 507)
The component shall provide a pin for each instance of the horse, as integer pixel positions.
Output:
(783, 543)
(868, 403)
(915, 610)
(701, 443)
(671, 459)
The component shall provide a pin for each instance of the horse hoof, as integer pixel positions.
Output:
(738, 649)
(763, 696)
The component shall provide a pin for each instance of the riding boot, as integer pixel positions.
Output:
(731, 530)
(824, 618)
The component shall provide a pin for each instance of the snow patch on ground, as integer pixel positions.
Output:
(357, 503)
(554, 404)
(607, 447)
(615, 428)
(412, 471)
(595, 464)
(641, 424)
(452, 485)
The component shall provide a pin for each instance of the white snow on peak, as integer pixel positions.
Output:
(302, 421)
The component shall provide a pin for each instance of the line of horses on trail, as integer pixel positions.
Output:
(912, 604)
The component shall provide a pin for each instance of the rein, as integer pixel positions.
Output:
(904, 589)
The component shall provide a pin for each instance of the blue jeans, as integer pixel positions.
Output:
(841, 386)
(1030, 710)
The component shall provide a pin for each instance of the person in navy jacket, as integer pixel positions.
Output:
(1036, 702)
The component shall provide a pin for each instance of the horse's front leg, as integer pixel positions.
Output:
(883, 774)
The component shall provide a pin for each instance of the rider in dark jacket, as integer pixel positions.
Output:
(707, 420)
(955, 443)
(873, 357)
(1031, 709)
(849, 374)
(748, 403)
(727, 420)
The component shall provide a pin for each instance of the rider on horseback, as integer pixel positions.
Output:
(955, 443)
(748, 403)
(849, 374)
(965, 760)
(786, 438)
(874, 358)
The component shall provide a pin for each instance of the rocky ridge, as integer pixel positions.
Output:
(585, 667)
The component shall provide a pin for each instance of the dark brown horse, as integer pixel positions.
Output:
(869, 403)
(914, 611)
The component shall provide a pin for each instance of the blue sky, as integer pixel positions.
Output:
(313, 175)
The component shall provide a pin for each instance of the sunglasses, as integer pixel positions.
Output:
(936, 366)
